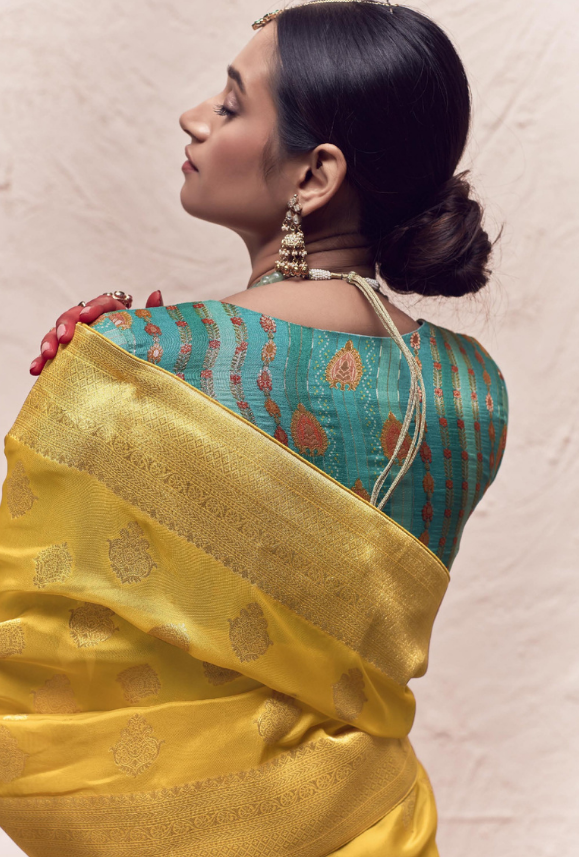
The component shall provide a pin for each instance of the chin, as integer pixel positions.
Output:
(183, 197)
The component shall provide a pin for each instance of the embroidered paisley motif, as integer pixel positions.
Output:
(360, 490)
(91, 624)
(349, 695)
(129, 555)
(218, 675)
(122, 320)
(12, 758)
(19, 495)
(389, 438)
(277, 716)
(175, 635)
(248, 633)
(137, 748)
(138, 682)
(345, 368)
(53, 565)
(12, 640)
(56, 696)
(307, 433)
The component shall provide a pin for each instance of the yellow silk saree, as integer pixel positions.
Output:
(205, 640)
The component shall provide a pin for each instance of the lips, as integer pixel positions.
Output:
(189, 159)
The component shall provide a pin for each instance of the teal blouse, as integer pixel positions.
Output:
(338, 400)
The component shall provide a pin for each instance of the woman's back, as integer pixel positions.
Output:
(338, 399)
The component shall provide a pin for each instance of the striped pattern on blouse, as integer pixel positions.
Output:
(338, 400)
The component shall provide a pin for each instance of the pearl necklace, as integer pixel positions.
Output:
(416, 408)
(314, 274)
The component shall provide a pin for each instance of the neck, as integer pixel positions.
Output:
(337, 253)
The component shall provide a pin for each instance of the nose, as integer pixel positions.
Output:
(193, 125)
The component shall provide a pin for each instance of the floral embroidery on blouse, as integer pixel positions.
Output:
(339, 399)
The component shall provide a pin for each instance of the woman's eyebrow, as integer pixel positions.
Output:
(235, 75)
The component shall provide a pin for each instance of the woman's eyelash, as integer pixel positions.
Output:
(223, 110)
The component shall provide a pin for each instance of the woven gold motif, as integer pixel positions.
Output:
(248, 633)
(56, 696)
(278, 715)
(12, 640)
(345, 369)
(137, 748)
(53, 565)
(374, 569)
(91, 624)
(218, 675)
(19, 495)
(349, 695)
(129, 555)
(139, 682)
(408, 807)
(12, 758)
(175, 635)
(305, 802)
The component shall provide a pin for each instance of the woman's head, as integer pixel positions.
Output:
(362, 109)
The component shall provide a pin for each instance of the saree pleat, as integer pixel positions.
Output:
(205, 641)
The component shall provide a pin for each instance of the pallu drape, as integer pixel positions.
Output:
(205, 640)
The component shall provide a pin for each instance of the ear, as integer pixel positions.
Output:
(322, 177)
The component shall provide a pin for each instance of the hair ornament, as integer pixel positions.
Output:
(261, 22)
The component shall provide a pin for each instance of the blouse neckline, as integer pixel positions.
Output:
(422, 323)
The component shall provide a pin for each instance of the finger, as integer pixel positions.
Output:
(97, 307)
(37, 365)
(49, 345)
(155, 299)
(65, 324)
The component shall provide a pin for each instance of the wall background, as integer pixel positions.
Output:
(90, 155)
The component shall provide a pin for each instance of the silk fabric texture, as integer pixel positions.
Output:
(205, 640)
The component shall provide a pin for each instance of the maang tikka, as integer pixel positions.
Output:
(292, 261)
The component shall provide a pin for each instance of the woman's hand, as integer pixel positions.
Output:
(63, 331)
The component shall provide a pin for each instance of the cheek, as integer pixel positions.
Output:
(237, 156)
(230, 188)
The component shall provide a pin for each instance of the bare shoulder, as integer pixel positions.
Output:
(323, 304)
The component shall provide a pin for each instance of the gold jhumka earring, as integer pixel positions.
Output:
(293, 246)
(292, 263)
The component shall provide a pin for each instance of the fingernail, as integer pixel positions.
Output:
(45, 347)
(33, 364)
(60, 331)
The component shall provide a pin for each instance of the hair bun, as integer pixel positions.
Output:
(442, 251)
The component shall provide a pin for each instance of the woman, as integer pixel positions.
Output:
(209, 617)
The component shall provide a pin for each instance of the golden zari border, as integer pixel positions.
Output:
(191, 615)
(293, 805)
(256, 506)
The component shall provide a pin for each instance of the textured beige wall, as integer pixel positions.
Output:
(90, 155)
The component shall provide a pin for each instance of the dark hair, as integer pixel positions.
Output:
(387, 87)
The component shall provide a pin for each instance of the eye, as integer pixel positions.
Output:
(222, 110)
